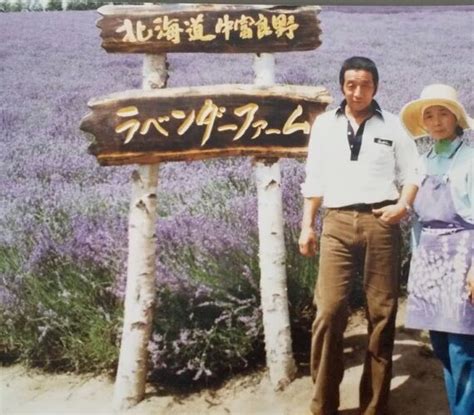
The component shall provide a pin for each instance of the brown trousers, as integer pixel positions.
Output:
(355, 242)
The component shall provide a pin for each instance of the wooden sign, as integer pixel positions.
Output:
(145, 127)
(208, 28)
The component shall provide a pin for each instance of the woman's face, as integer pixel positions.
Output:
(440, 122)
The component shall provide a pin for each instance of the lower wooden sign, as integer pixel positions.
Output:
(193, 123)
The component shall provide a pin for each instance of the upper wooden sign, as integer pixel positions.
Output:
(201, 122)
(209, 28)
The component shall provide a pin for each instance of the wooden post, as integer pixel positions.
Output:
(115, 120)
(140, 291)
(272, 254)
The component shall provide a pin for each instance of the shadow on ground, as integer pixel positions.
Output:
(417, 384)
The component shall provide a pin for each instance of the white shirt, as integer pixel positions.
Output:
(387, 156)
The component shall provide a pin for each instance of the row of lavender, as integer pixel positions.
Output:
(64, 219)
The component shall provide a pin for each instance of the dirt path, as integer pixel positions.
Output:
(417, 388)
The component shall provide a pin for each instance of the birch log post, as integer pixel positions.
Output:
(140, 290)
(272, 254)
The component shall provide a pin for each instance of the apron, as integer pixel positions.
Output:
(437, 295)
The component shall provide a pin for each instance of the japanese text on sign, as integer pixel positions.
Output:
(207, 117)
(176, 30)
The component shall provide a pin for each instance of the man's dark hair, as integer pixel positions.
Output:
(359, 63)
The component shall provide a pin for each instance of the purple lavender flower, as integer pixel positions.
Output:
(59, 207)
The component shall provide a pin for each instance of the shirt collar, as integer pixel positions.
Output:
(376, 110)
(453, 146)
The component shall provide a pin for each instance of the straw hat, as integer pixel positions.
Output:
(435, 94)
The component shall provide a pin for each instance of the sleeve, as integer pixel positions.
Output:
(313, 184)
(469, 185)
(415, 230)
(407, 159)
(420, 169)
(461, 174)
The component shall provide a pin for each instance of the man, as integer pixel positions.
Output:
(355, 154)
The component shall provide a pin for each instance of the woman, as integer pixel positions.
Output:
(441, 280)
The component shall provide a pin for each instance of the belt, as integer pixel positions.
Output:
(365, 207)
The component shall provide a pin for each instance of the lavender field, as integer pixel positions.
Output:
(63, 219)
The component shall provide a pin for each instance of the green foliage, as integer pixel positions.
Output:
(67, 318)
(34, 6)
(301, 273)
(85, 4)
(204, 336)
(9, 6)
(54, 5)
(209, 325)
(301, 278)
(10, 263)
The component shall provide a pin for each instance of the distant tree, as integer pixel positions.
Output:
(11, 6)
(84, 4)
(55, 5)
(36, 5)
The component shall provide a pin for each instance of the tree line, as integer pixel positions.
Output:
(52, 5)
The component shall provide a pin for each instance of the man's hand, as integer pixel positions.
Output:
(308, 242)
(391, 214)
(470, 284)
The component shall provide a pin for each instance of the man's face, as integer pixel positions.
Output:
(358, 89)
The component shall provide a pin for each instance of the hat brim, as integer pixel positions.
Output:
(412, 117)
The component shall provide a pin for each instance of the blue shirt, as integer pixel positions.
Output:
(457, 161)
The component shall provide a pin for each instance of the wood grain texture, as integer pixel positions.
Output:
(209, 28)
(202, 122)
